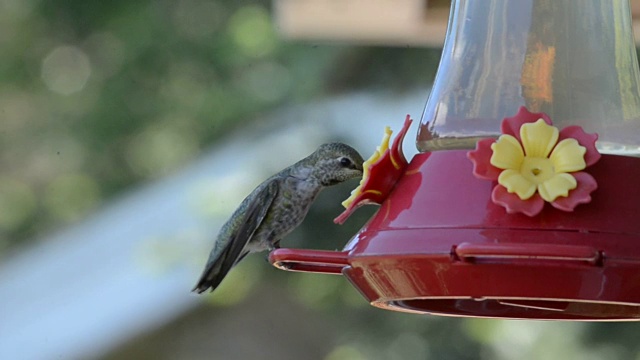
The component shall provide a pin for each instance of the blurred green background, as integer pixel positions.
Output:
(97, 98)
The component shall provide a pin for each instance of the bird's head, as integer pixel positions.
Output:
(335, 163)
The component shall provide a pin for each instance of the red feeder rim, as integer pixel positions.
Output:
(440, 245)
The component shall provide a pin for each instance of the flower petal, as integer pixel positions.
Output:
(580, 195)
(514, 182)
(584, 139)
(538, 138)
(381, 173)
(558, 185)
(513, 204)
(480, 157)
(568, 156)
(507, 153)
(397, 155)
(511, 125)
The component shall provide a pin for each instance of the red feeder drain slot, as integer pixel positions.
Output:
(468, 252)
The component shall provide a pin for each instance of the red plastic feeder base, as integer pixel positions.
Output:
(439, 245)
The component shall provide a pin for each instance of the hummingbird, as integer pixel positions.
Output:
(276, 207)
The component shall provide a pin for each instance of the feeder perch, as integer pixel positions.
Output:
(512, 209)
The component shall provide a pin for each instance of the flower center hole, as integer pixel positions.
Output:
(536, 171)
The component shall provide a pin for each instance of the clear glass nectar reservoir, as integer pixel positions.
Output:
(579, 66)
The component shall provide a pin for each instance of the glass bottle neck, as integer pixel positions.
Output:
(573, 59)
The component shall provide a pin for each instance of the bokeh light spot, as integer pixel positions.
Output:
(187, 84)
(107, 54)
(17, 204)
(198, 18)
(17, 8)
(65, 70)
(482, 330)
(159, 255)
(18, 109)
(267, 82)
(315, 292)
(408, 346)
(237, 284)
(70, 197)
(345, 352)
(220, 196)
(57, 153)
(252, 31)
(160, 149)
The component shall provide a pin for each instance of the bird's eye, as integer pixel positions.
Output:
(345, 162)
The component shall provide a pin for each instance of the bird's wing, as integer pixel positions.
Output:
(218, 267)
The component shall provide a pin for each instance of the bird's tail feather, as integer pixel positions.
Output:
(211, 277)
(215, 271)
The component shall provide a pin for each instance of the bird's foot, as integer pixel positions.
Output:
(272, 247)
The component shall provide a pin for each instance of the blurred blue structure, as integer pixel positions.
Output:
(87, 289)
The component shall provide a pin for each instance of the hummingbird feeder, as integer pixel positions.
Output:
(524, 199)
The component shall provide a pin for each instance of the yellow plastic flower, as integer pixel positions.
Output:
(540, 164)
(381, 173)
(366, 166)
